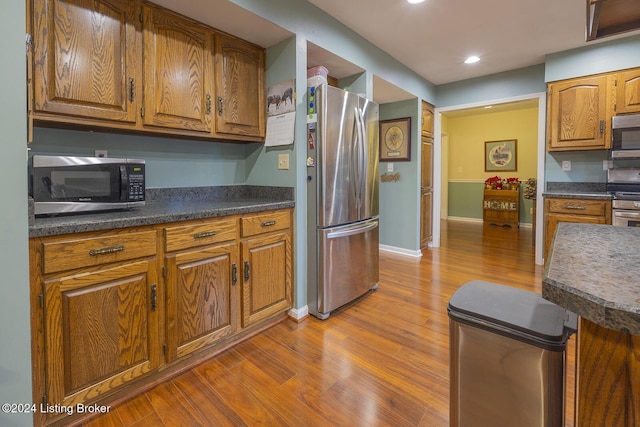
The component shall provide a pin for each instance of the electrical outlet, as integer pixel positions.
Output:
(566, 165)
(283, 161)
(100, 153)
(531, 211)
(390, 167)
(607, 164)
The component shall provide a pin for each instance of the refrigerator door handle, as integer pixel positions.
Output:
(359, 158)
(351, 230)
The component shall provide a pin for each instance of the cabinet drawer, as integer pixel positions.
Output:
(198, 234)
(67, 254)
(265, 222)
(579, 206)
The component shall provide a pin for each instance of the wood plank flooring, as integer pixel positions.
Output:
(382, 361)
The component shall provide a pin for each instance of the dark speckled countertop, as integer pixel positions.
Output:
(168, 205)
(593, 271)
(577, 190)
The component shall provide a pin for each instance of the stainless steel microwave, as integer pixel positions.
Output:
(625, 141)
(64, 184)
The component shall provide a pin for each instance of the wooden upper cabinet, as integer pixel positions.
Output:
(628, 91)
(427, 119)
(240, 97)
(178, 71)
(85, 58)
(578, 114)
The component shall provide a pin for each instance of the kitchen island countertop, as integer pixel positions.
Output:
(593, 271)
(169, 205)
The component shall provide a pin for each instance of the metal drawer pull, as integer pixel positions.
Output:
(104, 251)
(575, 207)
(204, 234)
(268, 223)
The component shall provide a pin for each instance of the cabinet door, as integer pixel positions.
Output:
(266, 271)
(178, 71)
(101, 331)
(86, 58)
(240, 88)
(201, 298)
(628, 92)
(578, 115)
(427, 119)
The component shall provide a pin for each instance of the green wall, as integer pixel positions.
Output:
(399, 226)
(186, 163)
(15, 344)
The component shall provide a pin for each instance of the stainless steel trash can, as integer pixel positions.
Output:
(507, 357)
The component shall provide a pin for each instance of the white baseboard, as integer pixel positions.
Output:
(299, 313)
(464, 219)
(401, 251)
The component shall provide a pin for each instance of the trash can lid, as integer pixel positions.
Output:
(519, 313)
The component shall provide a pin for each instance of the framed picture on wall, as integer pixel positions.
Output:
(395, 140)
(501, 155)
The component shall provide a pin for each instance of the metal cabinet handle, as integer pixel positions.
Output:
(131, 89)
(246, 271)
(205, 234)
(208, 104)
(154, 297)
(575, 207)
(234, 274)
(220, 106)
(104, 251)
(268, 223)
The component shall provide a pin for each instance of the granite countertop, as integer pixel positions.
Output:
(593, 271)
(168, 205)
(577, 190)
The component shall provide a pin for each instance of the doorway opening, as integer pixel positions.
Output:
(462, 134)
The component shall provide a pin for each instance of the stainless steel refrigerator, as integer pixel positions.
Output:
(342, 198)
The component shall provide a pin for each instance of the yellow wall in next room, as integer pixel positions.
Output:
(467, 136)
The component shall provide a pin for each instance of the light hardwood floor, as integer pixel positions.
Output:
(382, 361)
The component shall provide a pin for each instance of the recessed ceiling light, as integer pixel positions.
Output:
(471, 60)
(414, 1)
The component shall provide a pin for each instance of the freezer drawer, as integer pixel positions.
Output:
(348, 263)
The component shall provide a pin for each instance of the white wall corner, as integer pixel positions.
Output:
(299, 314)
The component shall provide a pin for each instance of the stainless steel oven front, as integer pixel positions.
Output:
(626, 213)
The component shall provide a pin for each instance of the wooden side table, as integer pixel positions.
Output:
(501, 207)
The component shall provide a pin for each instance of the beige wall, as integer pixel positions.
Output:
(467, 136)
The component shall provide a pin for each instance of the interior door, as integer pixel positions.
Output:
(426, 192)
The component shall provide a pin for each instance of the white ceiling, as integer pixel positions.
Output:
(432, 38)
(435, 37)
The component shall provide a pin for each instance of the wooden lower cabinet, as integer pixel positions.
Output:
(266, 265)
(557, 210)
(109, 319)
(266, 285)
(101, 330)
